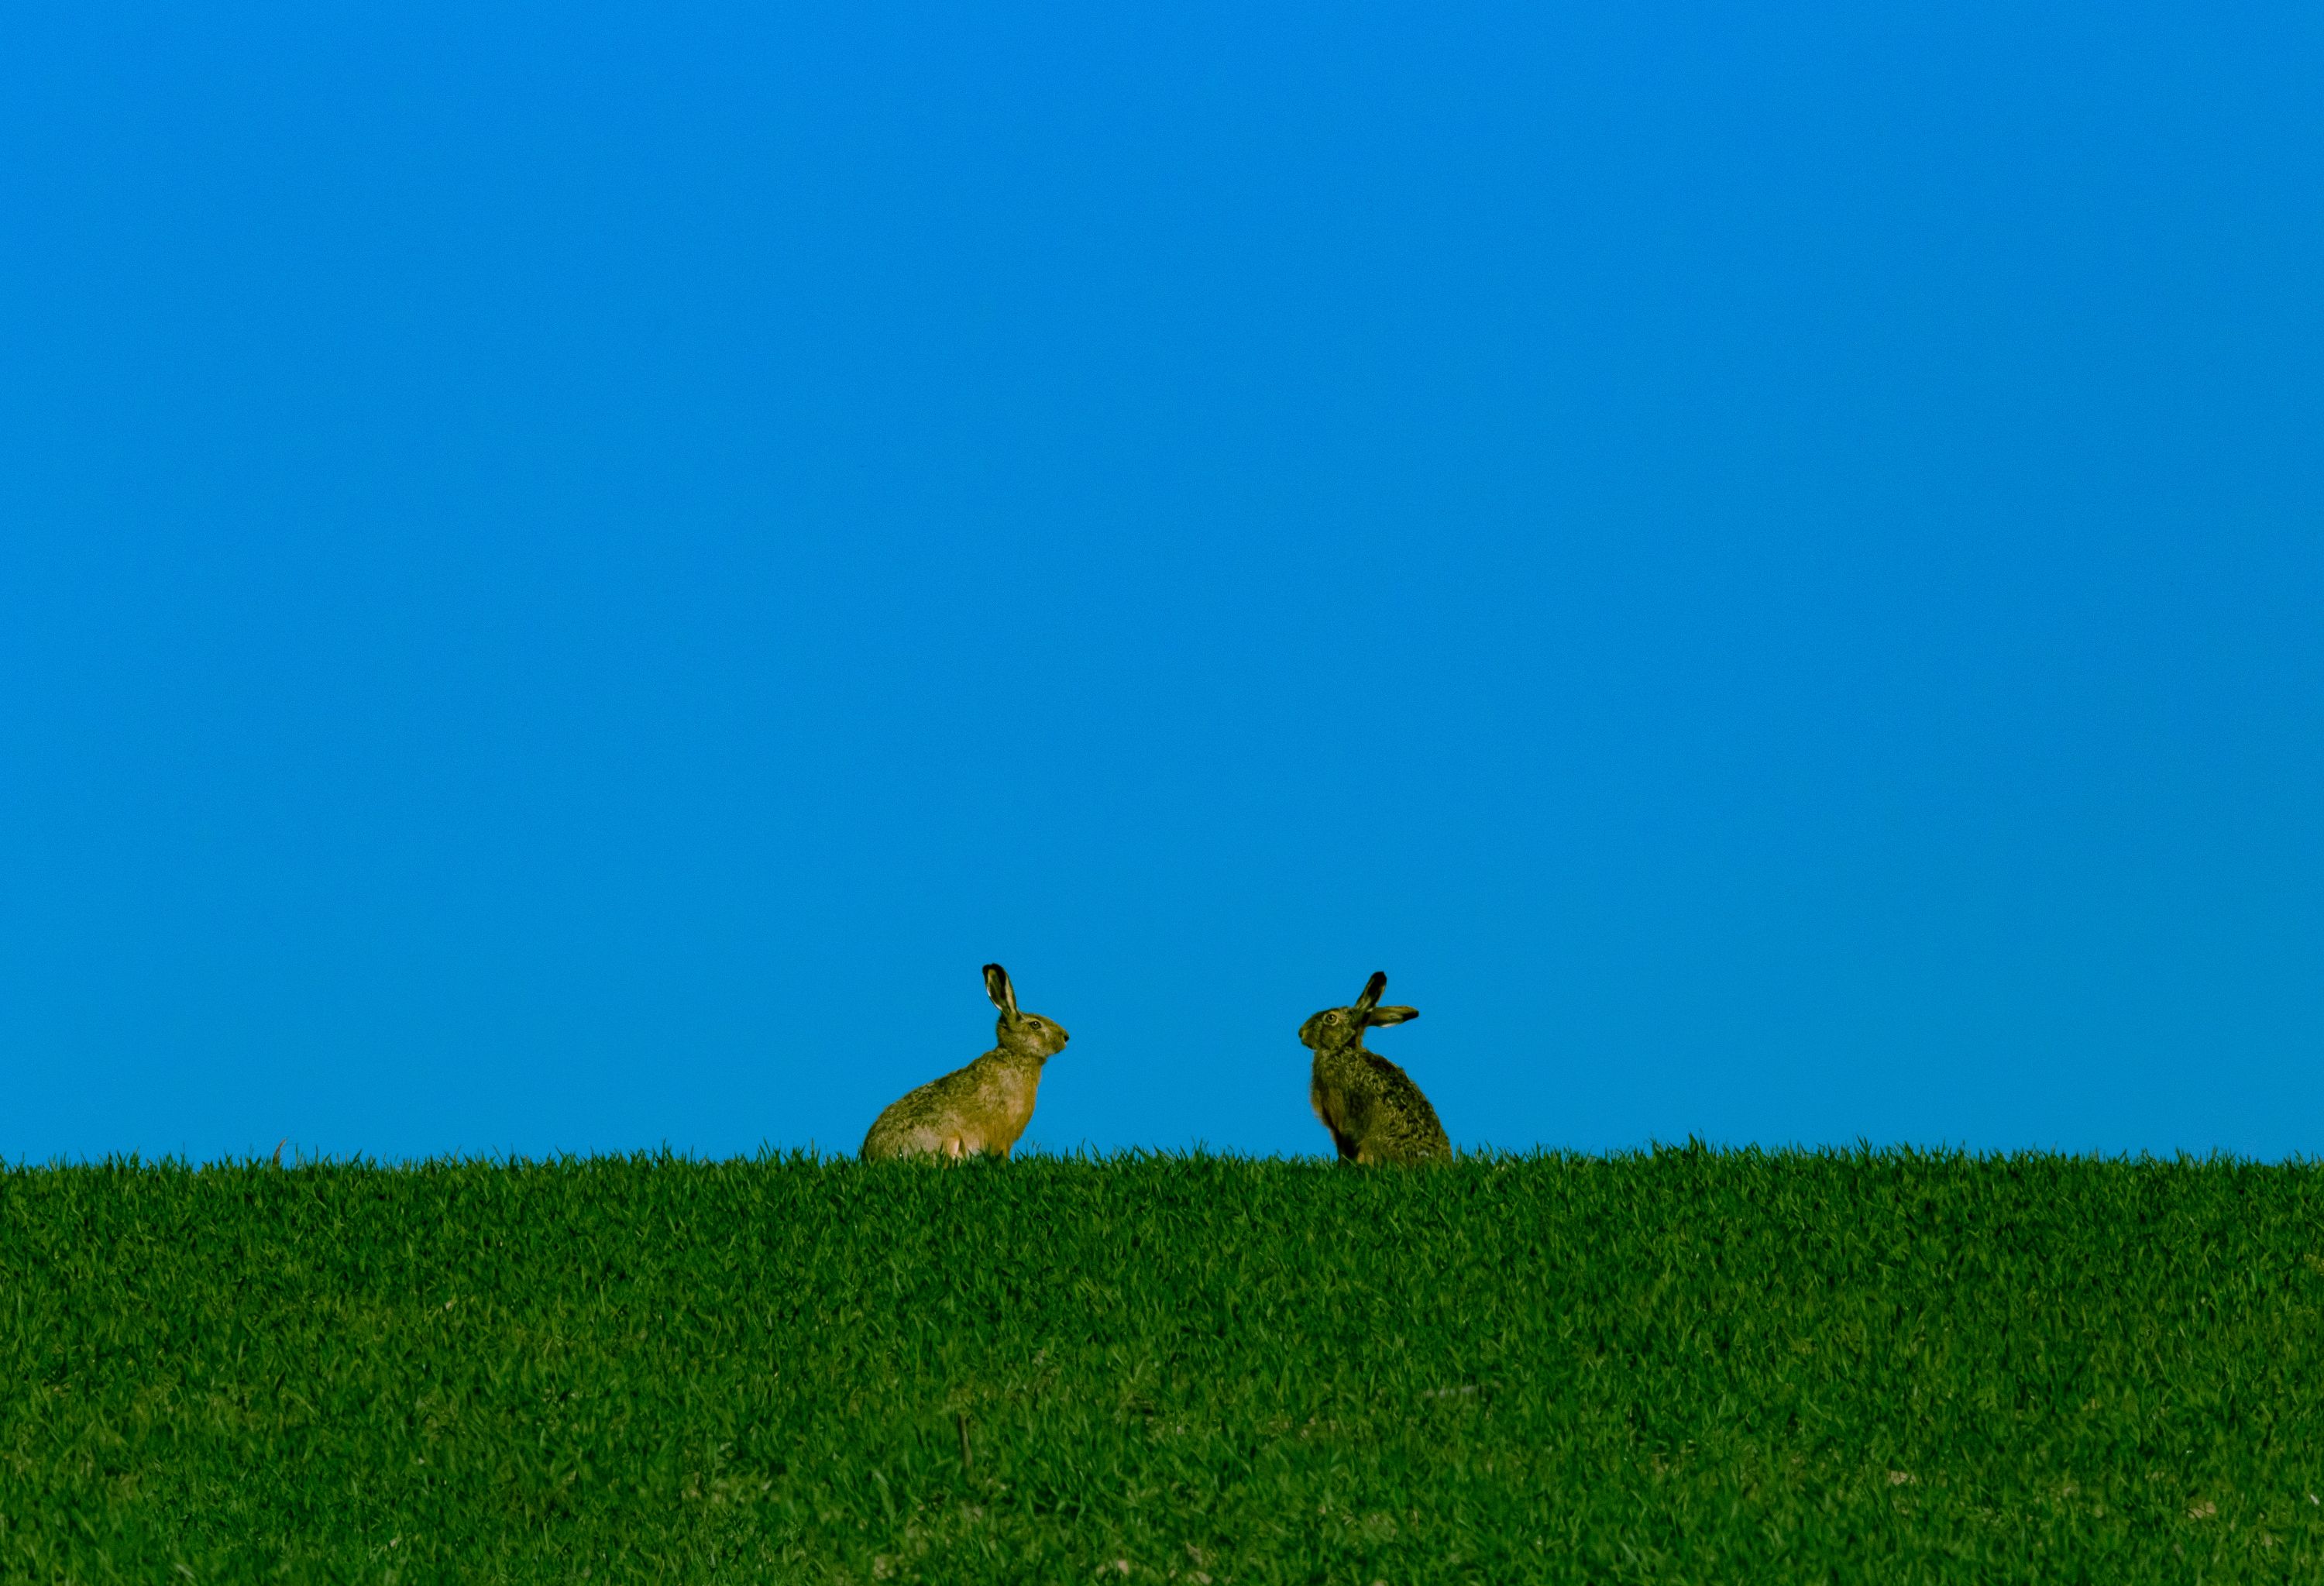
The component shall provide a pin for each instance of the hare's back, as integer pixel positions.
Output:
(1403, 1113)
(918, 1117)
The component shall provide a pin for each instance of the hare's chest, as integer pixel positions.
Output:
(1335, 1105)
(1344, 1101)
(1006, 1099)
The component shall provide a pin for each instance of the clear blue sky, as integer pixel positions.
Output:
(567, 576)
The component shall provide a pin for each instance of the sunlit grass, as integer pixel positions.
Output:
(1674, 1366)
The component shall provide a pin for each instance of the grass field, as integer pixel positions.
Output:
(1675, 1366)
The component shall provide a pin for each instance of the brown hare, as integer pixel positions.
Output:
(983, 1107)
(1373, 1109)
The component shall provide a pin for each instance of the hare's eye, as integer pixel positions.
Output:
(1334, 1019)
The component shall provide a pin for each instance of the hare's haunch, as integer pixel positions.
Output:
(983, 1107)
(1373, 1109)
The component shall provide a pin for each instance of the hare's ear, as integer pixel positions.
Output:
(997, 987)
(1392, 1015)
(1371, 999)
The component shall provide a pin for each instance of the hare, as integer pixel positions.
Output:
(983, 1107)
(1373, 1109)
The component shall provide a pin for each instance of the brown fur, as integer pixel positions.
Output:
(1373, 1109)
(983, 1107)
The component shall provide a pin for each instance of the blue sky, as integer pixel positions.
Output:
(568, 575)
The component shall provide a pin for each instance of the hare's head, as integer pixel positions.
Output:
(1027, 1035)
(1338, 1027)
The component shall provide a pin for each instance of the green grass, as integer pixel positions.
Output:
(1678, 1366)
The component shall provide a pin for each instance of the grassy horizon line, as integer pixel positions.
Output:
(1488, 1156)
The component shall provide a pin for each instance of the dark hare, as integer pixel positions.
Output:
(1373, 1109)
(983, 1107)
